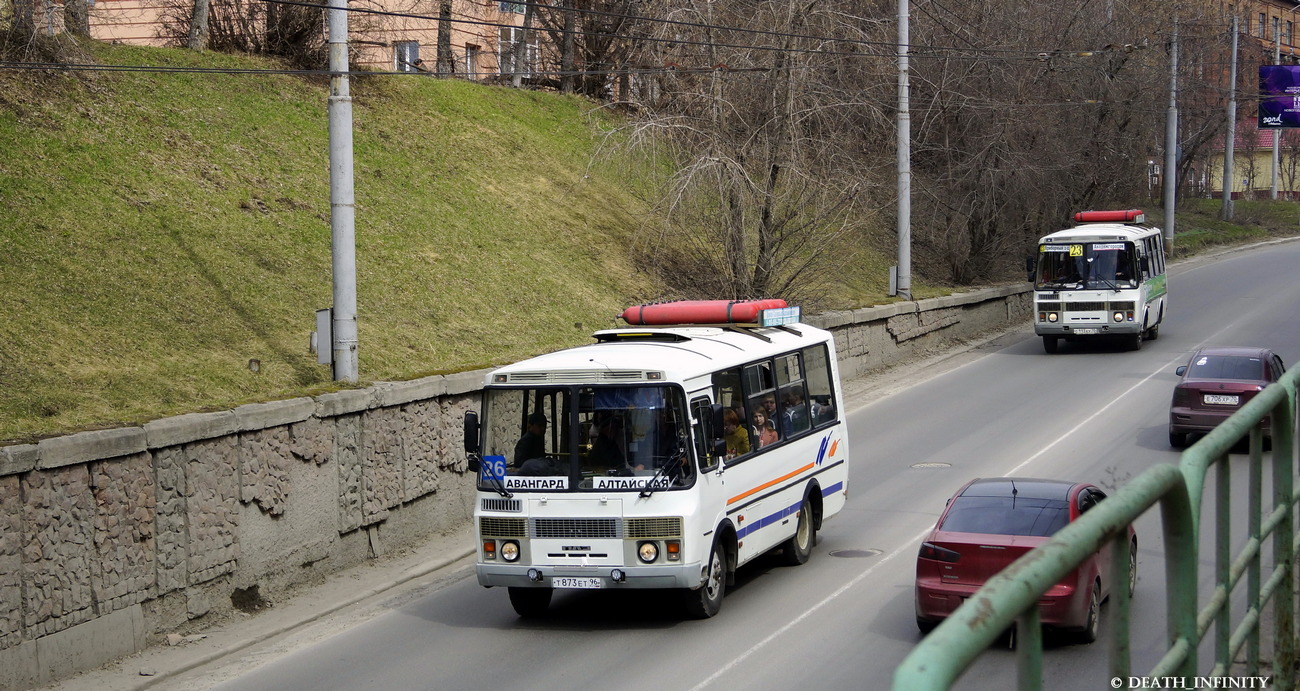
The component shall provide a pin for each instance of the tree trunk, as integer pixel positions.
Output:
(199, 26)
(446, 60)
(566, 52)
(76, 17)
(521, 48)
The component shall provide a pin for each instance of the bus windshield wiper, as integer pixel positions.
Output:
(649, 488)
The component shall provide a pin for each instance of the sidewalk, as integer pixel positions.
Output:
(361, 589)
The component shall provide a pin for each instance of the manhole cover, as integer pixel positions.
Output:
(854, 553)
(931, 465)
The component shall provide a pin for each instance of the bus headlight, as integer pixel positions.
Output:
(510, 550)
(647, 552)
(1052, 317)
(1118, 316)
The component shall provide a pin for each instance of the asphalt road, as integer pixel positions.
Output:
(844, 620)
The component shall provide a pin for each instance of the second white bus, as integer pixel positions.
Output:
(1104, 278)
(657, 457)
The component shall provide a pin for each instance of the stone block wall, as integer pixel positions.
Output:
(151, 527)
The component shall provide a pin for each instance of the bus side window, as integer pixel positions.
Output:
(817, 373)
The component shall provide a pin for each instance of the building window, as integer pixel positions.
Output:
(1262, 25)
(1245, 25)
(1286, 38)
(406, 56)
(1277, 30)
(511, 41)
(516, 7)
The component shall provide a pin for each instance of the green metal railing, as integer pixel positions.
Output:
(1011, 597)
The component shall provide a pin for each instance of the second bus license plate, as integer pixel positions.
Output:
(580, 583)
(1086, 332)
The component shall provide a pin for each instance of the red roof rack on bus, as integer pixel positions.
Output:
(1122, 216)
(707, 312)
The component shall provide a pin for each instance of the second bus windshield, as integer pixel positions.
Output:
(1095, 265)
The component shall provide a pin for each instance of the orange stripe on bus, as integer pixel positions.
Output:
(765, 485)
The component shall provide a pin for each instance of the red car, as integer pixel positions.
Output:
(1215, 383)
(990, 523)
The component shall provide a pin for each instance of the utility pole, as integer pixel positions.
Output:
(1229, 147)
(342, 201)
(904, 160)
(1277, 133)
(1171, 141)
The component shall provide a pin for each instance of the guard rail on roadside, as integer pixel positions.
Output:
(1011, 596)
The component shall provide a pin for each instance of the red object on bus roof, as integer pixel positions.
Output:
(1124, 216)
(699, 312)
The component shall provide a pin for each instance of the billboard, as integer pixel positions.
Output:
(1279, 96)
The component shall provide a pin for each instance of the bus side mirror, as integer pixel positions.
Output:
(471, 440)
(1145, 264)
(716, 431)
(1029, 268)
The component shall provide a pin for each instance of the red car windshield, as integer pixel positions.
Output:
(1006, 516)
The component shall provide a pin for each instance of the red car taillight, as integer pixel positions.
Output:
(937, 553)
(1186, 398)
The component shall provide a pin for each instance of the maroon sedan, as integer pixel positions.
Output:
(990, 523)
(1215, 383)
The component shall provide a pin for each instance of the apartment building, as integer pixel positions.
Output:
(399, 35)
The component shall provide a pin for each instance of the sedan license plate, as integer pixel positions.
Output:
(1086, 332)
(1220, 399)
(580, 583)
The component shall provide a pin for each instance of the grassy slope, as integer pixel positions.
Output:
(158, 231)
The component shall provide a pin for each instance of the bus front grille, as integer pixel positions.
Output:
(511, 505)
(575, 528)
(501, 527)
(1085, 307)
(668, 527)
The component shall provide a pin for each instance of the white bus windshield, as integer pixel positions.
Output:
(586, 437)
(1086, 266)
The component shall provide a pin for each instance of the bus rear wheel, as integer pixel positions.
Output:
(798, 548)
(1050, 344)
(530, 602)
(705, 601)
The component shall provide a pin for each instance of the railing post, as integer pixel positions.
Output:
(1222, 556)
(1121, 605)
(1029, 650)
(1283, 433)
(1252, 573)
(1178, 514)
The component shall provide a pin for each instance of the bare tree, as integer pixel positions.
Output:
(769, 178)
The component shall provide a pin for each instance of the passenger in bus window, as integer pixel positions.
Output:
(822, 410)
(606, 449)
(795, 418)
(735, 433)
(764, 430)
(533, 443)
(769, 407)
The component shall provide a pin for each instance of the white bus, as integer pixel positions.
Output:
(1102, 278)
(658, 457)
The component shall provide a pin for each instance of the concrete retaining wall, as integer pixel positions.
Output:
(113, 538)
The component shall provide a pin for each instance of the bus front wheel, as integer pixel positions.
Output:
(705, 601)
(530, 602)
(1049, 344)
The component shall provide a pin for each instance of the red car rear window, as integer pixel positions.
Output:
(1226, 367)
(1006, 516)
